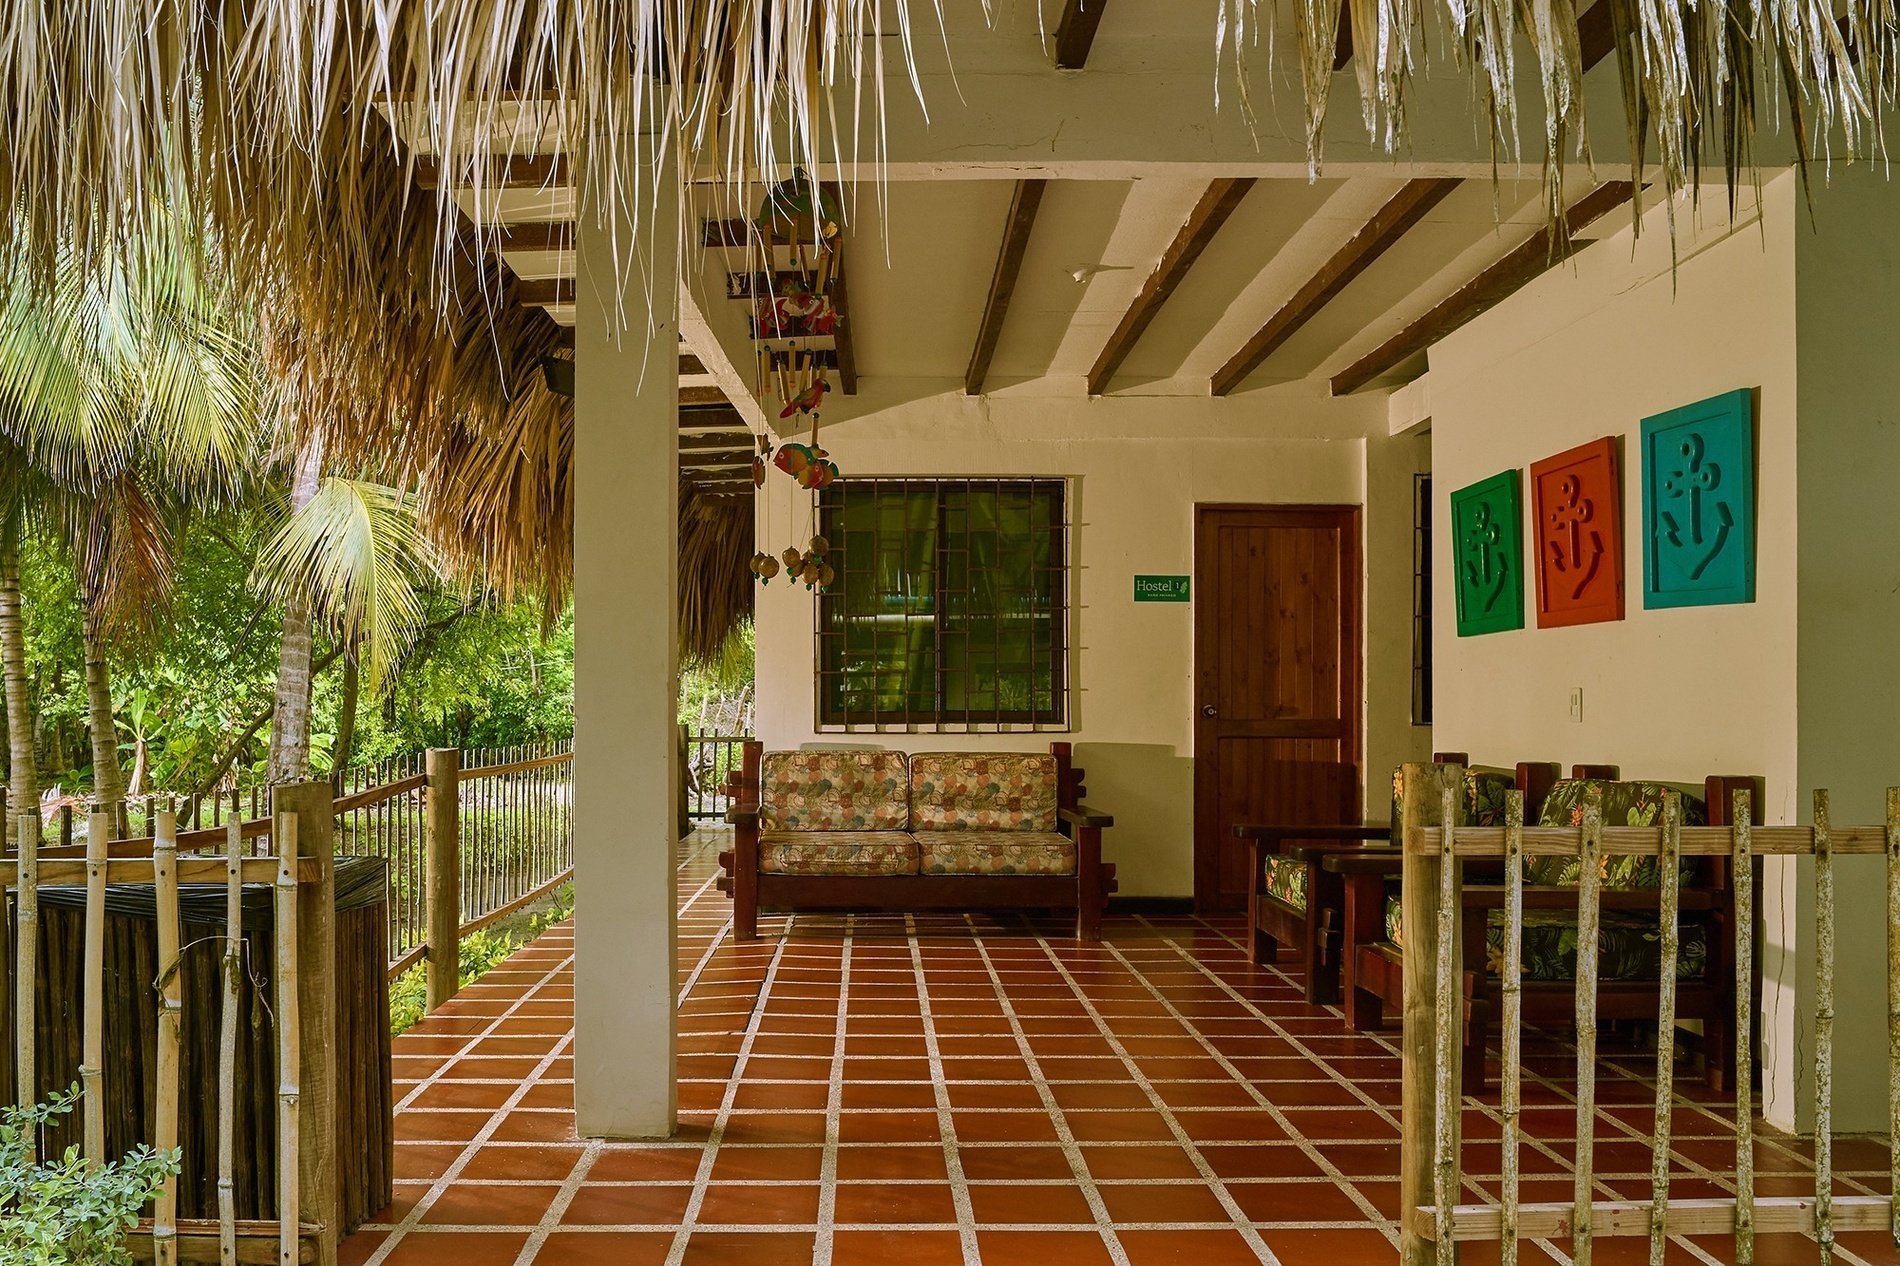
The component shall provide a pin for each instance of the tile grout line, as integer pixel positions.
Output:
(557, 1208)
(824, 1245)
(1065, 1136)
(1298, 1137)
(940, 1090)
(1236, 1215)
(688, 1220)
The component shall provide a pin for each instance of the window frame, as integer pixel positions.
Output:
(942, 718)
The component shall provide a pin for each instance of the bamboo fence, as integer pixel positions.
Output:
(1430, 1172)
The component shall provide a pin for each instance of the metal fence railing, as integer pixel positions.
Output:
(709, 758)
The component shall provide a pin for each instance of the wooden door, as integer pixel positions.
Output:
(1276, 664)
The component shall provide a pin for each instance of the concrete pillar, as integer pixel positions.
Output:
(625, 678)
(1847, 306)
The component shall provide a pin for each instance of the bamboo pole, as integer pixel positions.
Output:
(1513, 1020)
(1744, 877)
(27, 969)
(1823, 1027)
(1447, 1020)
(170, 1033)
(93, 1017)
(1589, 940)
(1420, 1051)
(227, 1044)
(289, 1049)
(1893, 1004)
(1669, 872)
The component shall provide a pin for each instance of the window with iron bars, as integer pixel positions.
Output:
(950, 608)
(1421, 599)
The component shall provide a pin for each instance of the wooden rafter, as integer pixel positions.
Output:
(535, 235)
(717, 440)
(1530, 260)
(1212, 211)
(546, 292)
(711, 421)
(1075, 32)
(523, 171)
(1021, 222)
(846, 352)
(1379, 234)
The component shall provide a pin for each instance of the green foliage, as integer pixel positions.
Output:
(719, 680)
(480, 952)
(65, 1212)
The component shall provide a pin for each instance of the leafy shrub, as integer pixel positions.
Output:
(408, 996)
(65, 1212)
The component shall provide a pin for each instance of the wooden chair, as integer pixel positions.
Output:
(1293, 898)
(1372, 969)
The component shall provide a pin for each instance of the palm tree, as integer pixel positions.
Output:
(113, 382)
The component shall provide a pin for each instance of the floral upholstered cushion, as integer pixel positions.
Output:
(995, 853)
(1624, 804)
(1630, 946)
(834, 791)
(1484, 797)
(965, 791)
(1286, 880)
(837, 853)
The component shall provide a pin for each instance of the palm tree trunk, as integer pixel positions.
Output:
(346, 720)
(23, 782)
(290, 722)
(108, 779)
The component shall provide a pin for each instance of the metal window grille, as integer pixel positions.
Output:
(1421, 599)
(950, 608)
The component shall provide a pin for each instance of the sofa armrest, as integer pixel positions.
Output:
(1082, 815)
(743, 815)
(1366, 861)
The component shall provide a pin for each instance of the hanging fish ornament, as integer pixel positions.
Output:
(810, 466)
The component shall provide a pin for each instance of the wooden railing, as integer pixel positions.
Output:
(298, 865)
(1431, 1176)
(709, 758)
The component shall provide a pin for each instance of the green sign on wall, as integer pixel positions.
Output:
(1488, 549)
(1161, 589)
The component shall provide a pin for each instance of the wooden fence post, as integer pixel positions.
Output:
(442, 875)
(319, 1191)
(1422, 886)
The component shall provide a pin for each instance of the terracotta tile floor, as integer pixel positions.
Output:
(923, 1090)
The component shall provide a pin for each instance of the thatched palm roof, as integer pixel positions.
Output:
(274, 125)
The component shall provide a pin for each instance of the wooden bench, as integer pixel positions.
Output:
(864, 829)
(1372, 969)
(1294, 899)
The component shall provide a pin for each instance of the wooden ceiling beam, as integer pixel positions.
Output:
(711, 421)
(1075, 32)
(545, 292)
(1377, 236)
(721, 440)
(522, 171)
(1529, 261)
(535, 235)
(1020, 223)
(845, 351)
(1216, 204)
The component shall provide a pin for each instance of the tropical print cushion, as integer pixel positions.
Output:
(837, 853)
(995, 853)
(1484, 797)
(1286, 880)
(965, 791)
(1630, 946)
(1624, 804)
(834, 791)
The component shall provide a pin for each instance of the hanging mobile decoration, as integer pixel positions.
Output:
(794, 324)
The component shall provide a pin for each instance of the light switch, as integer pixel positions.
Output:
(1576, 704)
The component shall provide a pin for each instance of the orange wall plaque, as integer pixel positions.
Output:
(1578, 498)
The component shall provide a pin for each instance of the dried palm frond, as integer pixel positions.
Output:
(715, 586)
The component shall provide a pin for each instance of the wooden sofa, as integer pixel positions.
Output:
(1294, 899)
(864, 829)
(1373, 975)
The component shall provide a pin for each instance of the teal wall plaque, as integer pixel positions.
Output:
(1488, 554)
(1699, 503)
(1161, 589)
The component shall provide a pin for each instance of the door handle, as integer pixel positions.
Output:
(1209, 710)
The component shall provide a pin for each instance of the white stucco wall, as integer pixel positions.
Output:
(1138, 467)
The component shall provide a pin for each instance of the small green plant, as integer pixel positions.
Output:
(65, 1212)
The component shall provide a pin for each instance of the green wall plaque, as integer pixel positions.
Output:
(1488, 552)
(1161, 589)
